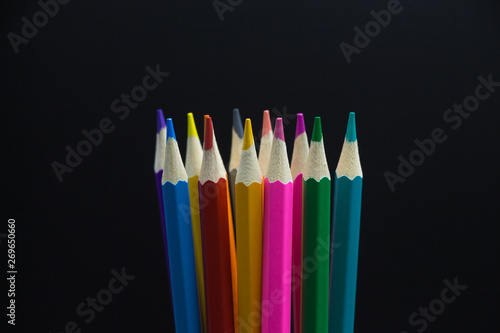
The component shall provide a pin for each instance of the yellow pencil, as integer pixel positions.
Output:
(248, 204)
(194, 155)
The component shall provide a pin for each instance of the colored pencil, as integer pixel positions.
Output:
(161, 143)
(299, 160)
(179, 238)
(215, 231)
(266, 142)
(277, 238)
(194, 155)
(316, 236)
(234, 159)
(248, 195)
(345, 235)
(232, 243)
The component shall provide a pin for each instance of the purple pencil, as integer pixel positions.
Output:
(161, 144)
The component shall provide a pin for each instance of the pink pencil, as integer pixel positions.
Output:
(277, 238)
(299, 160)
(266, 142)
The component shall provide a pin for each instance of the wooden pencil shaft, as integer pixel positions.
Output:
(216, 256)
(344, 261)
(277, 256)
(158, 177)
(232, 256)
(249, 238)
(181, 257)
(232, 182)
(297, 253)
(198, 255)
(316, 255)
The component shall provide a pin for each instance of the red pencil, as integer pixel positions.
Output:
(214, 220)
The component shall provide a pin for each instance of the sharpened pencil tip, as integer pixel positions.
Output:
(205, 124)
(191, 126)
(170, 129)
(248, 136)
(301, 127)
(266, 123)
(317, 130)
(278, 129)
(160, 120)
(238, 127)
(209, 134)
(350, 135)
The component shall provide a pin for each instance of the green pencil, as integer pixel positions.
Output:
(316, 236)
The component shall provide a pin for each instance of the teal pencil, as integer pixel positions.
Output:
(345, 234)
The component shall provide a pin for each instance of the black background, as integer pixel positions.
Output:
(439, 224)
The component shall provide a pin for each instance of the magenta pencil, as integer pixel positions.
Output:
(299, 160)
(277, 238)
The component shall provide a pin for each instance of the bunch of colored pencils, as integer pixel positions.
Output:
(257, 250)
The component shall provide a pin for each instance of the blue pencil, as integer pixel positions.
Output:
(345, 234)
(179, 238)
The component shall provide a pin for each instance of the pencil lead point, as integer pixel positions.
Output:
(205, 125)
(301, 127)
(170, 129)
(278, 129)
(317, 130)
(350, 135)
(238, 127)
(160, 120)
(266, 123)
(209, 134)
(248, 135)
(191, 125)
